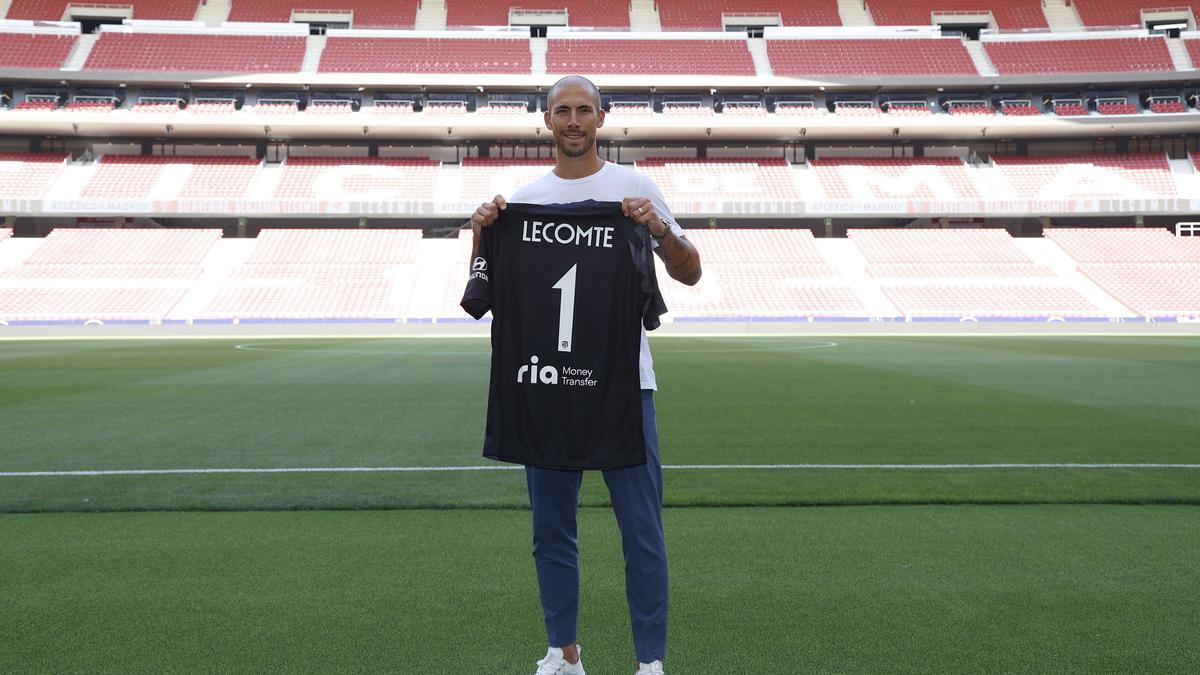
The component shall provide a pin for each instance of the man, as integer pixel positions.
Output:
(574, 114)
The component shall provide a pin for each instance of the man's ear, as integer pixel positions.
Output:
(599, 117)
(546, 120)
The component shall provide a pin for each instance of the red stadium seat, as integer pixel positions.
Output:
(589, 13)
(55, 10)
(870, 57)
(426, 55)
(636, 56)
(1124, 12)
(706, 14)
(1009, 14)
(27, 50)
(29, 175)
(1090, 55)
(367, 13)
(197, 53)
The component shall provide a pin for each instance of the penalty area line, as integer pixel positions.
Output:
(513, 467)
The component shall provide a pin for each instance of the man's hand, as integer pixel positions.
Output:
(642, 212)
(484, 216)
(487, 213)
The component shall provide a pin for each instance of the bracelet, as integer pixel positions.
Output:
(666, 232)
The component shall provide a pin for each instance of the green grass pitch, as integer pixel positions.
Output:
(917, 570)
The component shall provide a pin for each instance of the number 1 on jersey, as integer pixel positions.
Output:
(566, 309)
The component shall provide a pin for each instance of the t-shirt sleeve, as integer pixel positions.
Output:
(649, 190)
(477, 298)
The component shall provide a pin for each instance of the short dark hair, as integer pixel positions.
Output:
(573, 80)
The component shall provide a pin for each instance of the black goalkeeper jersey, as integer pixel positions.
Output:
(569, 287)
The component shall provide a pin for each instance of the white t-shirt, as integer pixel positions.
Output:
(612, 183)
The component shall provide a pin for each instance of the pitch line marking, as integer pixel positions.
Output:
(259, 347)
(513, 467)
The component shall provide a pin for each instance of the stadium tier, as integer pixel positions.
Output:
(116, 247)
(870, 57)
(687, 180)
(1082, 55)
(869, 179)
(357, 177)
(1088, 176)
(33, 50)
(56, 10)
(1008, 14)
(1121, 13)
(191, 52)
(707, 14)
(589, 13)
(137, 176)
(29, 174)
(724, 56)
(1152, 290)
(1193, 50)
(481, 178)
(1123, 246)
(952, 247)
(115, 303)
(365, 13)
(334, 247)
(925, 300)
(425, 55)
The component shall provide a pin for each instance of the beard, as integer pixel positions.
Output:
(560, 142)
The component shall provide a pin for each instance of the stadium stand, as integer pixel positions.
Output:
(211, 106)
(1075, 176)
(1151, 290)
(1091, 55)
(589, 13)
(128, 303)
(942, 247)
(767, 246)
(1069, 108)
(1149, 270)
(1193, 50)
(367, 13)
(124, 247)
(633, 56)
(1123, 13)
(686, 180)
(153, 105)
(37, 104)
(970, 108)
(871, 178)
(988, 300)
(201, 177)
(481, 178)
(56, 10)
(1008, 14)
(1117, 107)
(92, 105)
(1159, 104)
(1019, 108)
(124, 176)
(197, 53)
(870, 57)
(26, 50)
(707, 14)
(357, 177)
(425, 55)
(29, 175)
(320, 274)
(1123, 245)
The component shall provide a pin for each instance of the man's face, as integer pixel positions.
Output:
(574, 117)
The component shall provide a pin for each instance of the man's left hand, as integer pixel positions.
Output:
(642, 212)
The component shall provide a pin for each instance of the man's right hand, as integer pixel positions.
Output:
(487, 213)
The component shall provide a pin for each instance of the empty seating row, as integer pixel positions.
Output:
(1151, 289)
(26, 175)
(363, 13)
(1076, 176)
(1124, 13)
(952, 247)
(722, 178)
(668, 57)
(124, 247)
(870, 57)
(868, 179)
(425, 55)
(707, 14)
(137, 176)
(33, 50)
(197, 53)
(56, 10)
(988, 300)
(590, 13)
(1125, 245)
(762, 291)
(136, 303)
(1106, 55)
(333, 246)
(1007, 14)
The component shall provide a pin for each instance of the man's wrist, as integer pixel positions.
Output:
(665, 233)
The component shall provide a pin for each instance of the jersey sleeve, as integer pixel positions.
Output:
(653, 305)
(477, 298)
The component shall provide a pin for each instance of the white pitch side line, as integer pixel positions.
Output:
(510, 467)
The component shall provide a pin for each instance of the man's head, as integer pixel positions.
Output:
(573, 113)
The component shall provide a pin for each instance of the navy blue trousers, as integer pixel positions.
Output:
(636, 494)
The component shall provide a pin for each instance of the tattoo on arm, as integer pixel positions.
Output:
(681, 259)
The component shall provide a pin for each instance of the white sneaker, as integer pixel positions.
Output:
(654, 668)
(555, 664)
